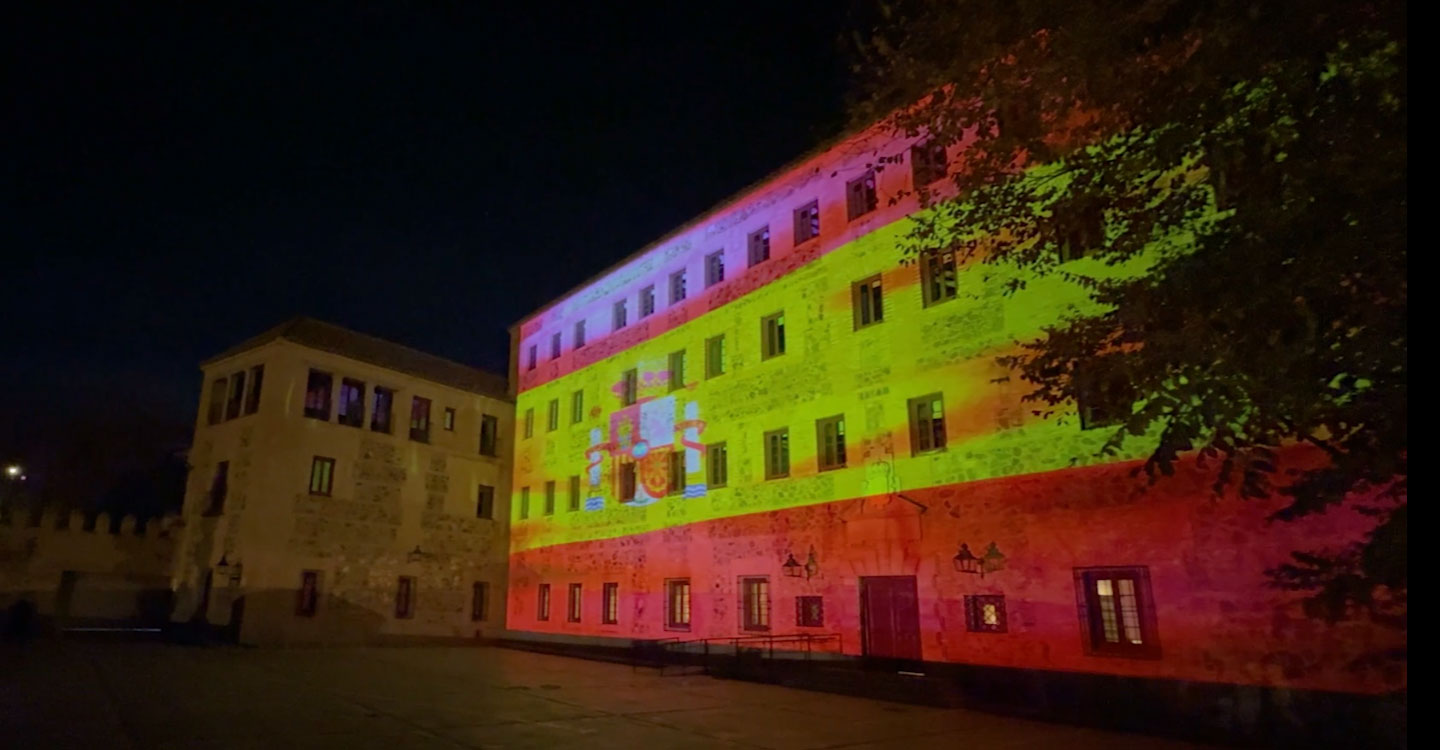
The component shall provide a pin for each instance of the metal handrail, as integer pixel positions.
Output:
(767, 642)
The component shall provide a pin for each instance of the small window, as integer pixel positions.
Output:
(927, 162)
(677, 604)
(552, 416)
(449, 419)
(577, 407)
(647, 301)
(489, 435)
(677, 286)
(937, 277)
(618, 317)
(810, 611)
(807, 222)
(405, 598)
(550, 498)
(715, 356)
(868, 305)
(219, 488)
(322, 475)
(575, 493)
(384, 405)
(237, 396)
(777, 454)
(1086, 232)
(772, 335)
(759, 246)
(485, 502)
(860, 195)
(532, 357)
(575, 603)
(529, 423)
(217, 402)
(610, 604)
(985, 614)
(717, 465)
(629, 387)
(1116, 612)
(420, 419)
(677, 370)
(351, 409)
(524, 503)
(317, 395)
(714, 268)
(677, 472)
(755, 603)
(1103, 399)
(307, 599)
(626, 479)
(579, 333)
(479, 601)
(542, 604)
(927, 424)
(555, 347)
(257, 379)
(830, 439)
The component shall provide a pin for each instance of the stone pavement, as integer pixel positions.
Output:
(122, 696)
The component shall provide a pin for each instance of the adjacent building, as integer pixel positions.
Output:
(345, 489)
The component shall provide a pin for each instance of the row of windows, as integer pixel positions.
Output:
(307, 600)
(229, 399)
(322, 482)
(928, 163)
(350, 410)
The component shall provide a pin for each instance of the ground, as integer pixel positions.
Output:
(94, 695)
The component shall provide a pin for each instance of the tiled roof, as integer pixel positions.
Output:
(328, 337)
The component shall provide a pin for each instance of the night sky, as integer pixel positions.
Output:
(185, 175)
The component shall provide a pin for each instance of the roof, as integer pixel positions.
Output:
(328, 337)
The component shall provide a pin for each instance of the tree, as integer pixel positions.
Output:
(1249, 159)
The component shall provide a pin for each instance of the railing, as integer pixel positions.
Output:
(710, 654)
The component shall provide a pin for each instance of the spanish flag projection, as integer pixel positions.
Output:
(774, 422)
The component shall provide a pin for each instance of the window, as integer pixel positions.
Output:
(217, 402)
(550, 498)
(479, 601)
(810, 611)
(1086, 231)
(575, 492)
(715, 356)
(618, 316)
(219, 488)
(574, 603)
(860, 195)
(577, 407)
(629, 387)
(485, 501)
(489, 435)
(830, 441)
(985, 614)
(531, 358)
(755, 603)
(647, 301)
(1117, 615)
(777, 453)
(405, 598)
(524, 503)
(1104, 399)
(714, 268)
(927, 163)
(927, 424)
(542, 604)
(257, 378)
(351, 409)
(627, 482)
(237, 396)
(807, 222)
(677, 472)
(610, 604)
(307, 599)
(772, 335)
(555, 345)
(529, 423)
(868, 305)
(317, 395)
(579, 333)
(384, 405)
(449, 419)
(677, 286)
(322, 475)
(717, 465)
(677, 370)
(937, 277)
(552, 417)
(677, 604)
(420, 419)
(759, 246)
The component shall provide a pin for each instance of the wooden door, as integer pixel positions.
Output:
(890, 617)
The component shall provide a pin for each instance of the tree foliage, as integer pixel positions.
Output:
(1251, 156)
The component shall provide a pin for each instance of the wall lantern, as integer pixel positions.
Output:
(226, 571)
(416, 555)
(793, 568)
(967, 562)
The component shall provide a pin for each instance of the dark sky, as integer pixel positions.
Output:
(184, 175)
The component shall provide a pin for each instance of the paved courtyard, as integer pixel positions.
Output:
(89, 695)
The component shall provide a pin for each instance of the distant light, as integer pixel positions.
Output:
(13, 471)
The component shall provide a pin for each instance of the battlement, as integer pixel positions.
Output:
(53, 522)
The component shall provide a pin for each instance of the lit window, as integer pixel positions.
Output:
(868, 305)
(542, 606)
(351, 409)
(807, 222)
(755, 603)
(449, 419)
(830, 442)
(610, 614)
(322, 475)
(777, 454)
(985, 614)
(317, 395)
(927, 424)
(1117, 612)
(576, 603)
(677, 604)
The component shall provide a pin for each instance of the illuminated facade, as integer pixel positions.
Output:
(772, 421)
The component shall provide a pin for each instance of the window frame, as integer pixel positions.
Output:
(867, 301)
(783, 436)
(577, 406)
(772, 335)
(822, 440)
(529, 426)
(490, 427)
(524, 509)
(627, 481)
(801, 620)
(447, 423)
(548, 508)
(610, 603)
(935, 265)
(579, 334)
(926, 169)
(252, 395)
(235, 396)
(344, 405)
(405, 598)
(1091, 613)
(485, 502)
(630, 387)
(675, 473)
(684, 600)
(757, 246)
(556, 345)
(619, 315)
(307, 597)
(645, 303)
(327, 379)
(714, 268)
(327, 476)
(385, 396)
(552, 415)
(219, 387)
(864, 200)
(542, 603)
(807, 222)
(420, 419)
(575, 499)
(915, 421)
(755, 604)
(711, 452)
(676, 364)
(677, 287)
(574, 602)
(479, 601)
(715, 356)
(975, 613)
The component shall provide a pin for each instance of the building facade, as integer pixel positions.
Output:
(773, 421)
(345, 489)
